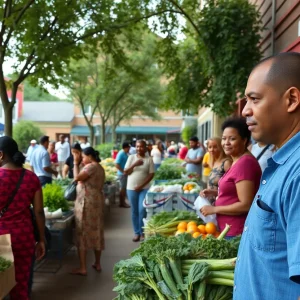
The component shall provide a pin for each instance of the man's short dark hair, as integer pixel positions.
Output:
(125, 145)
(194, 139)
(240, 125)
(284, 72)
(44, 139)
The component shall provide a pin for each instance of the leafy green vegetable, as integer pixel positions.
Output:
(63, 181)
(166, 172)
(54, 197)
(4, 264)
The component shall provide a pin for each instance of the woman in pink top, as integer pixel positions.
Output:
(240, 183)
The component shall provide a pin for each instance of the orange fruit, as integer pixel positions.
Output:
(210, 228)
(202, 229)
(192, 229)
(179, 231)
(196, 234)
(182, 225)
(191, 223)
(203, 236)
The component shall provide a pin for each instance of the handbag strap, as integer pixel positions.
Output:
(11, 198)
(262, 152)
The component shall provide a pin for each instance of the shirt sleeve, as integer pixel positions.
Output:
(291, 210)
(119, 158)
(247, 168)
(200, 153)
(205, 158)
(46, 160)
(151, 166)
(129, 162)
(68, 161)
(89, 169)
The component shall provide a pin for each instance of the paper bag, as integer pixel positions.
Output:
(7, 278)
(198, 204)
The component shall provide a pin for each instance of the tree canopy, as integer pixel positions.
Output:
(116, 92)
(24, 132)
(32, 93)
(43, 36)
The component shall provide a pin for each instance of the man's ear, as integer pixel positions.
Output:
(292, 96)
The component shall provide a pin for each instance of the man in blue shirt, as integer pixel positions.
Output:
(268, 263)
(120, 165)
(33, 146)
(40, 162)
(194, 157)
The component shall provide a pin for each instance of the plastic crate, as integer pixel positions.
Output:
(184, 201)
(156, 182)
(157, 202)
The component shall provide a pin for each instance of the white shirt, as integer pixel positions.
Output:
(156, 155)
(140, 173)
(63, 151)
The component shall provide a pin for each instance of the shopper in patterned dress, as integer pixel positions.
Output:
(17, 220)
(89, 208)
(219, 163)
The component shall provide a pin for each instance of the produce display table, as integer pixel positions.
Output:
(61, 242)
(157, 202)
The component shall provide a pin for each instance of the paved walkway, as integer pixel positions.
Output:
(62, 285)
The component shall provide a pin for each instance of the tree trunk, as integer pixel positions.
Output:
(92, 135)
(8, 119)
(114, 134)
(103, 137)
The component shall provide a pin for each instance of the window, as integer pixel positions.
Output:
(204, 131)
(87, 110)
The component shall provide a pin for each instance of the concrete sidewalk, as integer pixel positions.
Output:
(62, 285)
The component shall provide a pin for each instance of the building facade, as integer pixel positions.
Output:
(281, 22)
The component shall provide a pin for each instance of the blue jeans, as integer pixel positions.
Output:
(138, 212)
(45, 180)
(156, 166)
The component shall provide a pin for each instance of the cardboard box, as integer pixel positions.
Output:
(7, 281)
(7, 278)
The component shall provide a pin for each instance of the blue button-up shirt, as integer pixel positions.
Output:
(268, 263)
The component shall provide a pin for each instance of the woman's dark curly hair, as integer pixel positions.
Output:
(240, 125)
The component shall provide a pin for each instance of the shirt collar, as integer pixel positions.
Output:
(287, 150)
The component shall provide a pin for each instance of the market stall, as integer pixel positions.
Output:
(182, 258)
(173, 189)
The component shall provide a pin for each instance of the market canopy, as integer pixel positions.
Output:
(85, 131)
(146, 130)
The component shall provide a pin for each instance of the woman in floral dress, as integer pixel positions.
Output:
(89, 208)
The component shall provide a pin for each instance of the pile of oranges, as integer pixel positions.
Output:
(197, 230)
(189, 187)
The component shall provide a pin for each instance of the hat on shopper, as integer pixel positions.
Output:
(33, 142)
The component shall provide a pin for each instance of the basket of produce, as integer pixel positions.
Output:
(166, 223)
(179, 267)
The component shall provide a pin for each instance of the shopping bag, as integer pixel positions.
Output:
(198, 204)
(70, 192)
(7, 277)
